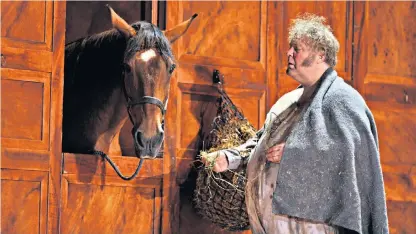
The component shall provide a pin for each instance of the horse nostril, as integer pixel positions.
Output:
(138, 137)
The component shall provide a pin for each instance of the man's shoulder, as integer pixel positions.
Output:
(341, 94)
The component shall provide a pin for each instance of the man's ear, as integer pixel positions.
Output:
(321, 57)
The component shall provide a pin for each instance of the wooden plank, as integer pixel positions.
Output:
(391, 93)
(34, 31)
(57, 83)
(401, 217)
(225, 62)
(360, 45)
(390, 79)
(170, 191)
(25, 109)
(154, 12)
(121, 209)
(24, 159)
(220, 32)
(400, 181)
(26, 59)
(272, 45)
(145, 182)
(95, 165)
(24, 201)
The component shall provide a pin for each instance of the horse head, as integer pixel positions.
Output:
(147, 68)
(120, 74)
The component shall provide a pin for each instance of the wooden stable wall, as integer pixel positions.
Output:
(233, 38)
(32, 62)
(247, 42)
(385, 73)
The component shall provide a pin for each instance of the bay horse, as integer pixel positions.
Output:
(123, 73)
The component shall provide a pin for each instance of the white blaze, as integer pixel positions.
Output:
(147, 55)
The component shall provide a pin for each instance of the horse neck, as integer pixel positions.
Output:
(92, 76)
(108, 124)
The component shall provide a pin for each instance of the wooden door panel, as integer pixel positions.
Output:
(26, 59)
(214, 43)
(110, 207)
(384, 74)
(32, 51)
(391, 45)
(25, 108)
(27, 24)
(23, 201)
(396, 132)
(95, 199)
(399, 180)
(401, 217)
(223, 26)
(230, 37)
(92, 165)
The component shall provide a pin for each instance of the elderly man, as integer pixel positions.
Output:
(314, 166)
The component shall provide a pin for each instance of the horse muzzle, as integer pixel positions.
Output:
(147, 147)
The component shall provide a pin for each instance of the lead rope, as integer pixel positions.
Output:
(105, 156)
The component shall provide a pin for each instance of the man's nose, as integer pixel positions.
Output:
(290, 52)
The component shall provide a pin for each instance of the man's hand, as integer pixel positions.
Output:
(275, 153)
(221, 162)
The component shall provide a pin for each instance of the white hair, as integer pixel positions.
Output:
(312, 30)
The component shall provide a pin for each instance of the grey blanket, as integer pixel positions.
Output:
(330, 170)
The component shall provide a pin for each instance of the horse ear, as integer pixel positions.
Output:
(121, 25)
(174, 33)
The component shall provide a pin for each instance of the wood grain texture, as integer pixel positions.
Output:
(95, 165)
(27, 59)
(103, 208)
(384, 74)
(23, 28)
(27, 24)
(32, 72)
(400, 182)
(273, 45)
(22, 110)
(401, 217)
(390, 56)
(57, 87)
(170, 189)
(396, 130)
(24, 159)
(25, 107)
(221, 29)
(23, 201)
(228, 36)
(391, 93)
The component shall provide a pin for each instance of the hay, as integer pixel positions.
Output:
(220, 197)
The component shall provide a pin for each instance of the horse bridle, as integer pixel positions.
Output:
(130, 104)
(146, 99)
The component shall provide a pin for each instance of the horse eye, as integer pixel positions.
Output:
(172, 68)
(126, 68)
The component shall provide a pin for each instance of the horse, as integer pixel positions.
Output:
(122, 73)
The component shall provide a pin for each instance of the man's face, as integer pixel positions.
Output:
(301, 61)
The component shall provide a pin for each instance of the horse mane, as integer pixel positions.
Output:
(96, 61)
(94, 68)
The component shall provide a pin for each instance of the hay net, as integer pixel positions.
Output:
(220, 197)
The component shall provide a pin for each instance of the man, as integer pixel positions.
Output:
(315, 165)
